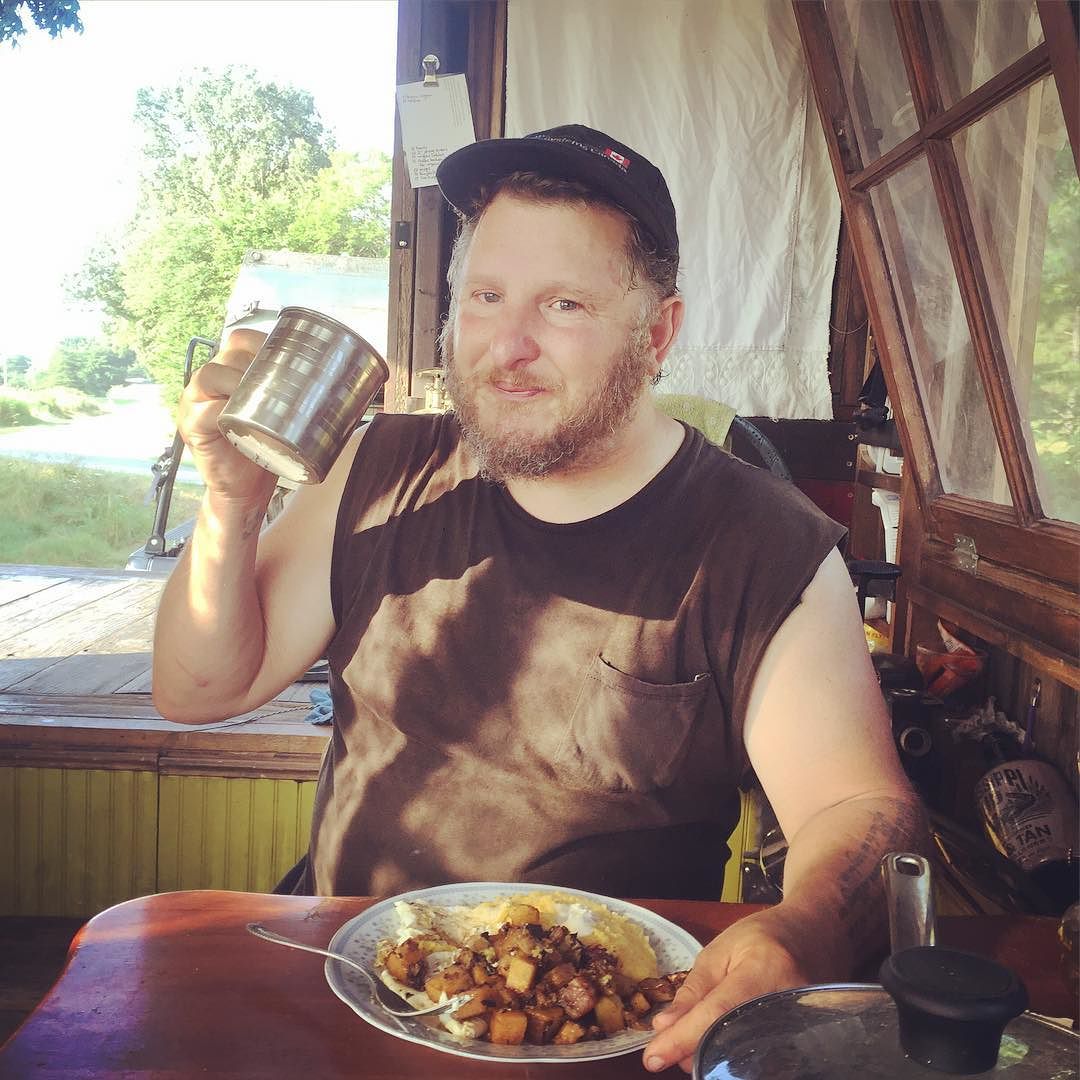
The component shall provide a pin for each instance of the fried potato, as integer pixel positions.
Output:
(508, 1027)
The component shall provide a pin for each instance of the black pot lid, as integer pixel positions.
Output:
(850, 1030)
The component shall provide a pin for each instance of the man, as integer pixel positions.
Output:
(561, 626)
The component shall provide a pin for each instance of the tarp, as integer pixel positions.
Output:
(715, 93)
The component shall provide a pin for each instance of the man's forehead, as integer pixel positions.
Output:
(596, 236)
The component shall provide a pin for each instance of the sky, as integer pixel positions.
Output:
(69, 153)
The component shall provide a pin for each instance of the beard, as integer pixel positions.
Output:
(578, 437)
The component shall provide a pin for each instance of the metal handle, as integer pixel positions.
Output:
(390, 1001)
(260, 931)
(911, 905)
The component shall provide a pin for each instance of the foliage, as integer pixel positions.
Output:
(13, 370)
(348, 211)
(65, 403)
(207, 141)
(87, 365)
(52, 16)
(230, 163)
(19, 407)
(1054, 405)
(64, 515)
(15, 411)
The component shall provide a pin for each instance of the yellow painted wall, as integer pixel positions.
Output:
(742, 839)
(240, 834)
(76, 841)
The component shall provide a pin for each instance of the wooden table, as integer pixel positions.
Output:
(172, 985)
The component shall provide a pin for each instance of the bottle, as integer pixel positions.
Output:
(1029, 815)
(1069, 938)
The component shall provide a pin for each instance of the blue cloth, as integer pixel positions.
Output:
(323, 711)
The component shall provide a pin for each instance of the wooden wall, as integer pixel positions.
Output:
(76, 841)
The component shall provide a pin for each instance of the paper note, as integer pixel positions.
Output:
(435, 121)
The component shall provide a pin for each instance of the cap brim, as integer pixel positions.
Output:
(466, 172)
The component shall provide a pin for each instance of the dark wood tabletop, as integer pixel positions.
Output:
(171, 985)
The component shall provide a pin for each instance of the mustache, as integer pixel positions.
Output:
(516, 382)
(511, 380)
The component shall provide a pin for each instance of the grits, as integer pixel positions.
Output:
(445, 929)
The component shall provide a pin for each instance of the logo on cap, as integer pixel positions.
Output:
(619, 159)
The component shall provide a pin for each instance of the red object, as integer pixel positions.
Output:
(173, 985)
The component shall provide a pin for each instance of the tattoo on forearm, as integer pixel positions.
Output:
(251, 523)
(862, 908)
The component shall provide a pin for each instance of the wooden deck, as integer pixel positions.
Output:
(75, 655)
(80, 632)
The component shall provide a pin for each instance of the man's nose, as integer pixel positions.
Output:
(514, 341)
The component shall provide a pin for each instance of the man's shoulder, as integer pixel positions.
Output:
(718, 480)
(411, 448)
(415, 431)
(410, 424)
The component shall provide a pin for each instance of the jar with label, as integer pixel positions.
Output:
(1030, 816)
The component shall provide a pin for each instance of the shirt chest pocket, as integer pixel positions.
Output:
(627, 735)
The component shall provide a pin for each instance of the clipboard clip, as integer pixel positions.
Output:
(430, 64)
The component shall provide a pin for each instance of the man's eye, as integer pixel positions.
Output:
(487, 297)
(566, 305)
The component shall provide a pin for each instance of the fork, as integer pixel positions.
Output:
(390, 1002)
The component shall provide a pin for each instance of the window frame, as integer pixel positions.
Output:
(467, 36)
(1022, 593)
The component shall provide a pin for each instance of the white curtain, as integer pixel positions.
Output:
(715, 93)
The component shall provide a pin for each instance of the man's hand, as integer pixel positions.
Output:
(225, 471)
(758, 955)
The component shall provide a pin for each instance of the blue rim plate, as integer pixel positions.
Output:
(675, 951)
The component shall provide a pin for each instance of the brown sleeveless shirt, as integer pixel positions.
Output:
(522, 701)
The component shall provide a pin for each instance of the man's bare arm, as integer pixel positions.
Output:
(245, 612)
(819, 739)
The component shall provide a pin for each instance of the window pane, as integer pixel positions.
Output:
(1027, 217)
(874, 75)
(937, 334)
(973, 40)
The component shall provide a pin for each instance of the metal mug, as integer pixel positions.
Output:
(303, 395)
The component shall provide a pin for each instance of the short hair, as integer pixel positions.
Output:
(646, 266)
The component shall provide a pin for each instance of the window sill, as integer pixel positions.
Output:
(125, 732)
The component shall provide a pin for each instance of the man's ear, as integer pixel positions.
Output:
(665, 328)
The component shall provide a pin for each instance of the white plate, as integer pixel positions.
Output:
(675, 951)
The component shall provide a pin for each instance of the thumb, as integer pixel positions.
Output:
(239, 348)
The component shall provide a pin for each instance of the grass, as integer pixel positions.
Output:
(63, 515)
(21, 407)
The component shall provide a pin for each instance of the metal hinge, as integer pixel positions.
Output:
(967, 558)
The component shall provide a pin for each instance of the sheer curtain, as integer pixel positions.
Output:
(714, 92)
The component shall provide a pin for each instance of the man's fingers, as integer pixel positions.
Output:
(239, 348)
(685, 999)
(676, 1042)
(212, 381)
(680, 1040)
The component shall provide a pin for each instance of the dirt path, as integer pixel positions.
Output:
(127, 439)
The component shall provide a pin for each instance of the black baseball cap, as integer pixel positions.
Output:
(570, 152)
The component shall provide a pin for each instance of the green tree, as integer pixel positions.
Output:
(1055, 389)
(88, 365)
(230, 163)
(53, 16)
(348, 210)
(217, 137)
(14, 369)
